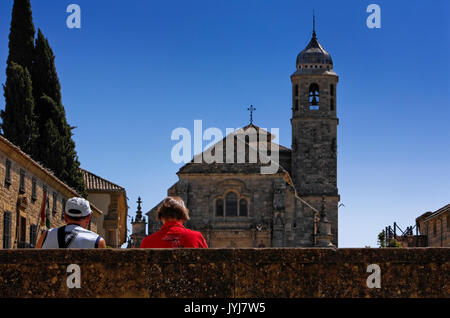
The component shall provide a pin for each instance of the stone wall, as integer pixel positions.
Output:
(294, 272)
(436, 227)
(102, 201)
(21, 205)
(27, 212)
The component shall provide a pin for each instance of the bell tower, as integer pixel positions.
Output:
(314, 130)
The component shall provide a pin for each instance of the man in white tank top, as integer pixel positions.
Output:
(74, 234)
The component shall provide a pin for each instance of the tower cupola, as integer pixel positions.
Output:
(314, 56)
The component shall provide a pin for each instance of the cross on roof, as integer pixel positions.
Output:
(251, 109)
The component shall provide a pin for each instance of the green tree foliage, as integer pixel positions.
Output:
(55, 148)
(21, 36)
(34, 117)
(382, 239)
(74, 174)
(18, 122)
(49, 146)
(394, 243)
(44, 76)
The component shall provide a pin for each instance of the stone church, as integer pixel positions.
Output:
(235, 205)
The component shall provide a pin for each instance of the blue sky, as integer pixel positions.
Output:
(136, 70)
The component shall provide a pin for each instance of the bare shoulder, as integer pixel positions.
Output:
(102, 243)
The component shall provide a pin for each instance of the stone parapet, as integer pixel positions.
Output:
(224, 273)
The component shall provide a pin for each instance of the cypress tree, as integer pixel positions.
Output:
(44, 76)
(21, 36)
(34, 117)
(18, 117)
(74, 174)
(54, 147)
(49, 146)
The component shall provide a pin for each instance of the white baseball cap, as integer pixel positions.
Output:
(78, 207)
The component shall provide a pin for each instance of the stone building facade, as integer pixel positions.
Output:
(235, 205)
(435, 226)
(112, 200)
(24, 184)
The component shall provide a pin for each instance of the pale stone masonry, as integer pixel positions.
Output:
(436, 227)
(112, 200)
(22, 184)
(234, 205)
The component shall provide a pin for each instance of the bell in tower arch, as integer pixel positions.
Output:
(314, 96)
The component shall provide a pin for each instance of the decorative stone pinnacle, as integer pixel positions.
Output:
(139, 210)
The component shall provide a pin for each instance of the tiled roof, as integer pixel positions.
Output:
(94, 182)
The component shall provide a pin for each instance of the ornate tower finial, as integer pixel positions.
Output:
(251, 109)
(314, 24)
(139, 210)
(138, 232)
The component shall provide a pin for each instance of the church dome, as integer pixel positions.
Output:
(314, 56)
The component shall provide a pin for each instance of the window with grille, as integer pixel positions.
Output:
(33, 189)
(231, 204)
(8, 172)
(243, 208)
(7, 229)
(22, 181)
(33, 235)
(219, 207)
(55, 200)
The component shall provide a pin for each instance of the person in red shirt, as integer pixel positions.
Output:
(173, 213)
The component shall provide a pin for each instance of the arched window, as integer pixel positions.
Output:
(296, 90)
(243, 209)
(231, 206)
(313, 96)
(219, 207)
(331, 103)
(331, 89)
